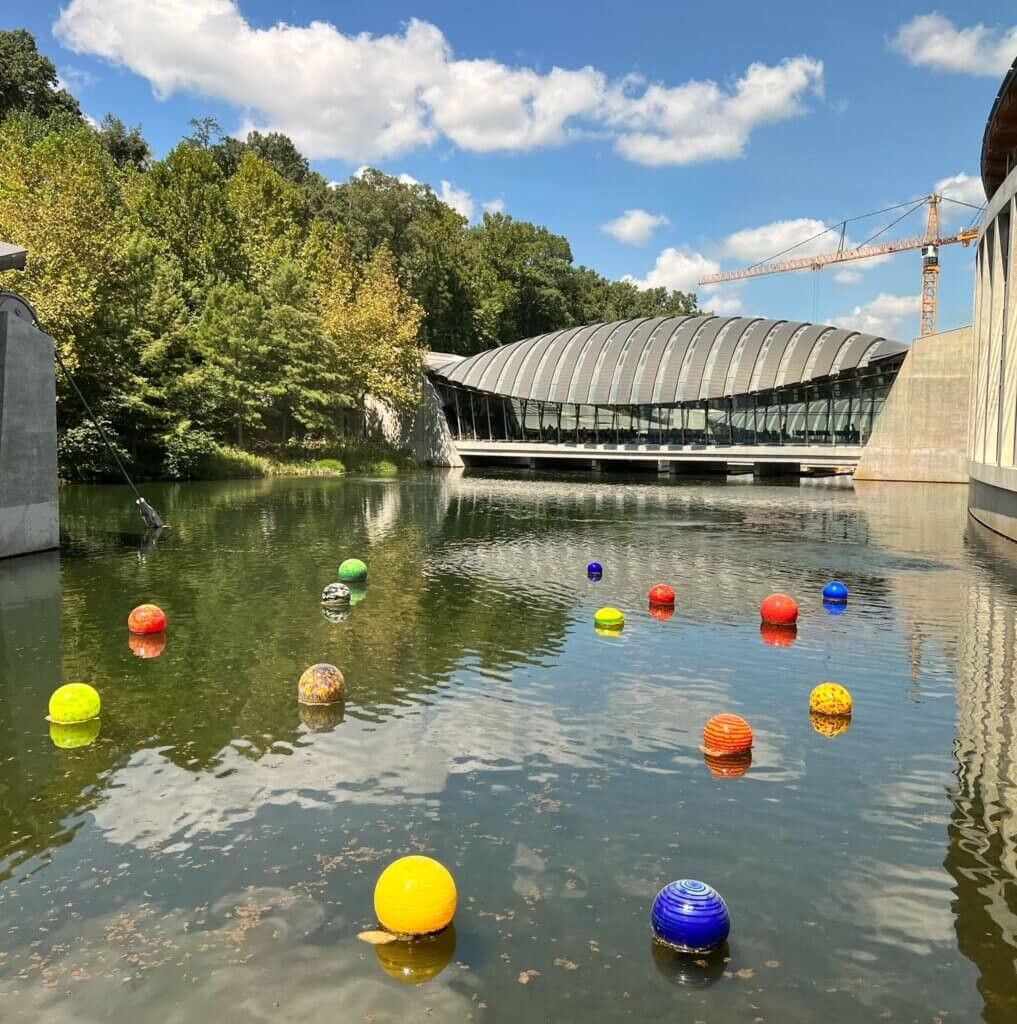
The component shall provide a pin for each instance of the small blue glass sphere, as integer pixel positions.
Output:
(691, 917)
(835, 591)
(595, 569)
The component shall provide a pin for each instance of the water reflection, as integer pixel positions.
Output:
(420, 961)
(689, 970)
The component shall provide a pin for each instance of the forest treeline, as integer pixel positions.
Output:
(229, 295)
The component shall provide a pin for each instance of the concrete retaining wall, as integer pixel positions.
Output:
(921, 434)
(423, 433)
(29, 518)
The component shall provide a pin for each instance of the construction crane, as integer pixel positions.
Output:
(929, 243)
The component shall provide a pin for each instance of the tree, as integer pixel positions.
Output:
(28, 80)
(127, 146)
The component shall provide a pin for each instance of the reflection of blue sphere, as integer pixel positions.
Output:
(690, 916)
(835, 591)
(835, 607)
(595, 570)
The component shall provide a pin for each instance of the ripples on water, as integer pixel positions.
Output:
(213, 854)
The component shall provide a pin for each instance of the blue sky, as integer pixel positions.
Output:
(732, 129)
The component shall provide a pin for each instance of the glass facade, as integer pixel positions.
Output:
(835, 411)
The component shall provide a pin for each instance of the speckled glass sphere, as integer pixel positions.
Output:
(147, 618)
(835, 591)
(727, 734)
(662, 594)
(415, 896)
(830, 726)
(691, 917)
(335, 594)
(608, 618)
(779, 610)
(830, 699)
(321, 684)
(352, 570)
(420, 960)
(74, 702)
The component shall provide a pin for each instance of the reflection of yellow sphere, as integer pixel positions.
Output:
(80, 734)
(418, 961)
(415, 896)
(74, 702)
(830, 699)
(830, 726)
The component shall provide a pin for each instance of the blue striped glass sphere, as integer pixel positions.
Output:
(690, 916)
(594, 569)
(835, 591)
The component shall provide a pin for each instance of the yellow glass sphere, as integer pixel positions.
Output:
(415, 896)
(418, 961)
(74, 702)
(830, 699)
(830, 726)
(609, 618)
(70, 737)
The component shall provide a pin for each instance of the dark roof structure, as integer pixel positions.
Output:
(664, 360)
(999, 143)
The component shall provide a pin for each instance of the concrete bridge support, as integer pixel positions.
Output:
(778, 469)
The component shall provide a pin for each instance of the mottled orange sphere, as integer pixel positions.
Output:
(662, 594)
(321, 684)
(779, 610)
(727, 734)
(147, 618)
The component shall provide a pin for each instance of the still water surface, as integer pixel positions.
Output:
(211, 856)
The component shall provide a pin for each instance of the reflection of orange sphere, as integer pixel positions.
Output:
(729, 766)
(150, 646)
(147, 618)
(779, 610)
(778, 636)
(662, 594)
(662, 612)
(830, 726)
(727, 734)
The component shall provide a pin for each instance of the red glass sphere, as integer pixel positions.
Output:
(730, 766)
(150, 646)
(779, 610)
(147, 618)
(727, 734)
(778, 636)
(661, 612)
(662, 594)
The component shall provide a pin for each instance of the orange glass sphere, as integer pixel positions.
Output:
(779, 610)
(321, 684)
(662, 594)
(730, 766)
(150, 646)
(661, 612)
(727, 734)
(147, 618)
(778, 636)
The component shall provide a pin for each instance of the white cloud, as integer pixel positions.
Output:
(965, 188)
(458, 198)
(364, 97)
(886, 315)
(723, 303)
(406, 179)
(847, 277)
(676, 268)
(752, 245)
(494, 206)
(634, 226)
(933, 41)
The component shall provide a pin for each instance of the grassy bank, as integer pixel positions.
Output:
(232, 463)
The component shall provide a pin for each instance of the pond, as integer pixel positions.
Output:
(212, 855)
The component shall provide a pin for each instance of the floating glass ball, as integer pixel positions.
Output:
(73, 703)
(71, 737)
(147, 646)
(830, 726)
(662, 594)
(691, 917)
(729, 766)
(595, 569)
(352, 570)
(608, 618)
(321, 684)
(420, 960)
(778, 636)
(835, 591)
(147, 618)
(779, 610)
(726, 734)
(335, 594)
(830, 699)
(415, 896)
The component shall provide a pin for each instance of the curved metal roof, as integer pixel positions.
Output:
(661, 360)
(1000, 138)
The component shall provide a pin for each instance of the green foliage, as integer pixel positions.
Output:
(228, 310)
(81, 454)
